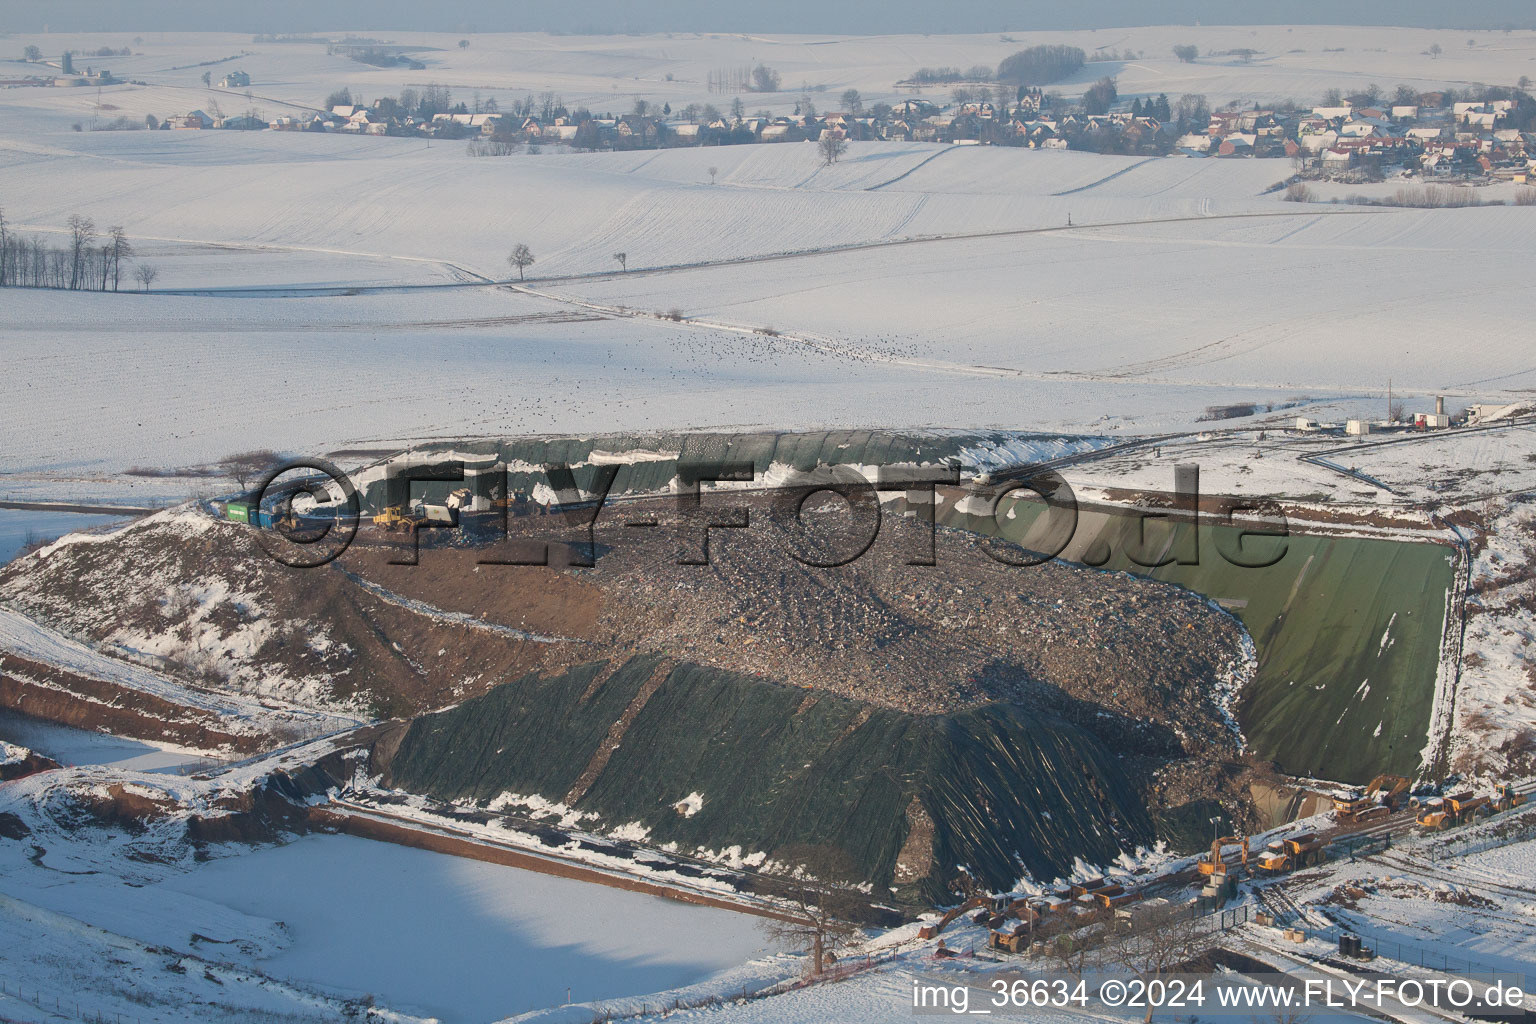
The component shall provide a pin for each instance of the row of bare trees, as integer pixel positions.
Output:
(88, 262)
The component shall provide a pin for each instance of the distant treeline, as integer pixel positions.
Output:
(80, 265)
(386, 59)
(946, 76)
(1041, 64)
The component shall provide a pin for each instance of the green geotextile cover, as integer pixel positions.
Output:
(1007, 791)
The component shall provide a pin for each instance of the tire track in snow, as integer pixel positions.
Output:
(1106, 178)
(917, 207)
(909, 170)
(298, 291)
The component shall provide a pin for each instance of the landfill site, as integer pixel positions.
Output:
(936, 701)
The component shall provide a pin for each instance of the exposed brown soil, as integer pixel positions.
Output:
(616, 731)
(43, 691)
(227, 616)
(29, 765)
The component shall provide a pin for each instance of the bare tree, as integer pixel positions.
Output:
(712, 172)
(146, 275)
(118, 249)
(819, 911)
(853, 101)
(1186, 52)
(521, 257)
(1158, 942)
(245, 466)
(1076, 951)
(463, 44)
(831, 147)
(623, 259)
(81, 231)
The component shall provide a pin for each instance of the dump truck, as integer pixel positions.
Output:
(1442, 812)
(1379, 798)
(1212, 864)
(1506, 799)
(1298, 851)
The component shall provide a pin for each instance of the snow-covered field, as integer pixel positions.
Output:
(1194, 291)
(911, 284)
(425, 934)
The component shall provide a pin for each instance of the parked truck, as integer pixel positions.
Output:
(1443, 812)
(1299, 851)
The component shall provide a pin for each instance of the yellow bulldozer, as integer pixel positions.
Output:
(1377, 800)
(396, 518)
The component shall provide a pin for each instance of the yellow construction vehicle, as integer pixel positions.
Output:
(1212, 864)
(395, 518)
(1378, 799)
(1442, 812)
(1507, 799)
(1300, 851)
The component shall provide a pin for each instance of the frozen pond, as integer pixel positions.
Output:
(70, 746)
(463, 940)
(21, 526)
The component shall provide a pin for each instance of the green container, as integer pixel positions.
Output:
(238, 512)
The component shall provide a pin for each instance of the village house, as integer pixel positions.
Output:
(195, 120)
